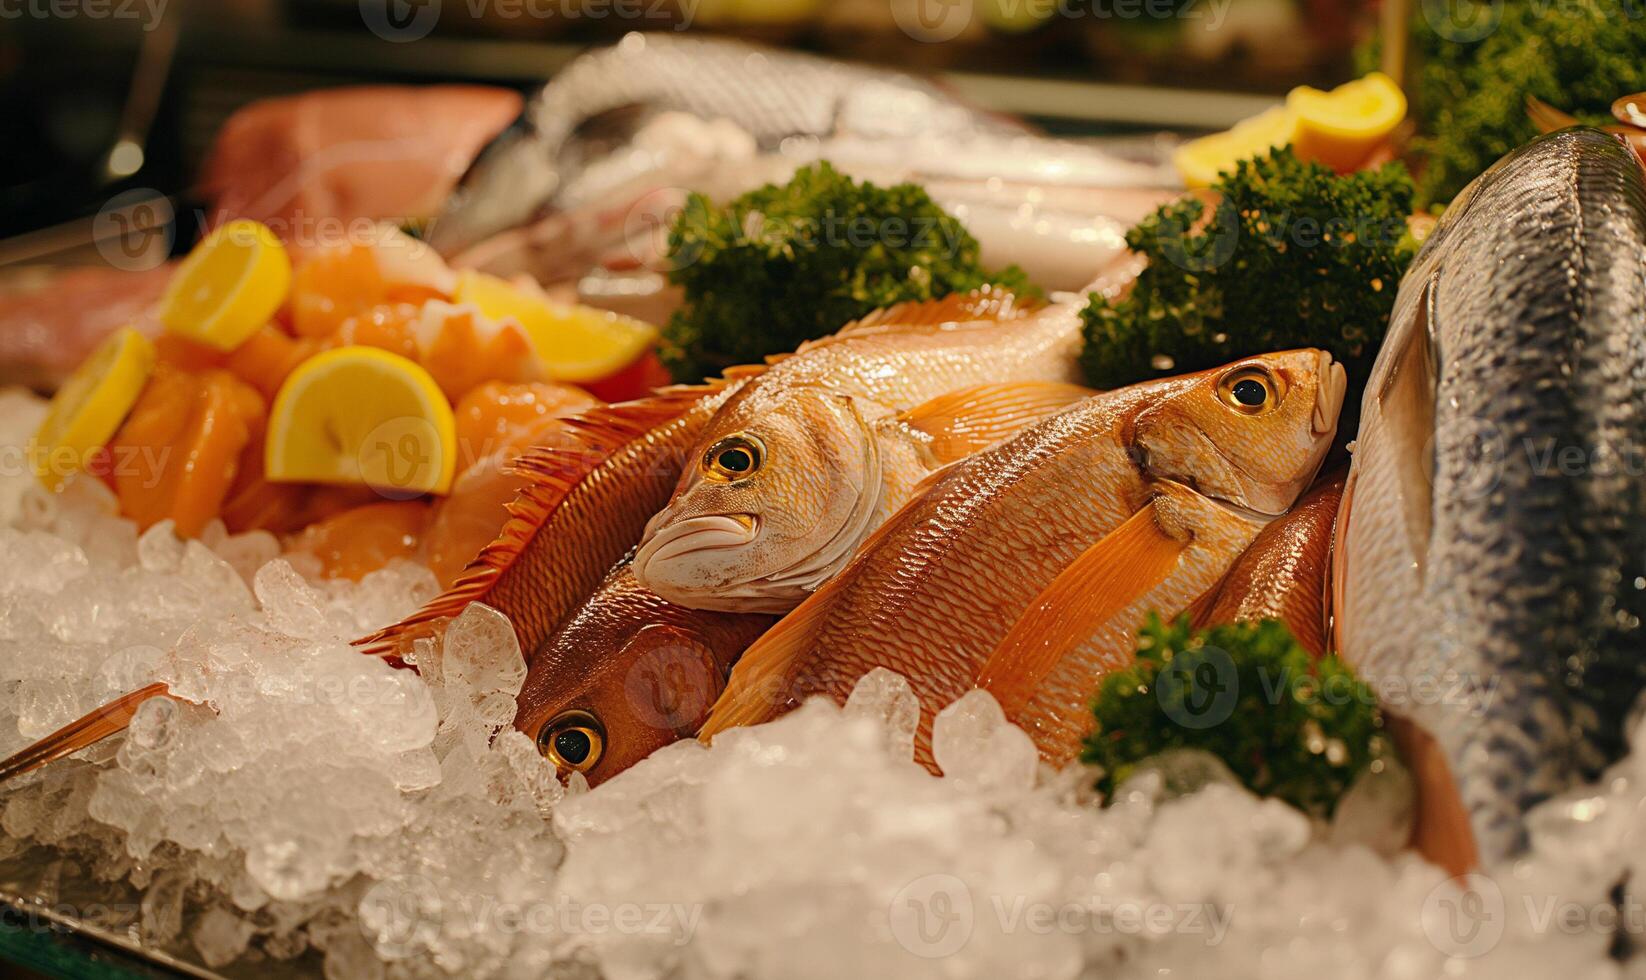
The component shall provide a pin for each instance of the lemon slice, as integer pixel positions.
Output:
(1342, 127)
(574, 343)
(228, 287)
(361, 416)
(90, 406)
(1201, 161)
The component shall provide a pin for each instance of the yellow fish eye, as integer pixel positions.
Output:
(734, 458)
(572, 740)
(1249, 390)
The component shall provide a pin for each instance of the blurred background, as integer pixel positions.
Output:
(103, 95)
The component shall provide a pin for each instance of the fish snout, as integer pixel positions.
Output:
(1332, 388)
(680, 558)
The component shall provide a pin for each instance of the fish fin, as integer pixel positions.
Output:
(1407, 402)
(1336, 577)
(1200, 611)
(1441, 829)
(964, 422)
(552, 472)
(752, 694)
(989, 304)
(1103, 580)
(110, 719)
(1546, 117)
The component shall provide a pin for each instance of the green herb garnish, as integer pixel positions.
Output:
(1477, 63)
(785, 264)
(1291, 256)
(1287, 725)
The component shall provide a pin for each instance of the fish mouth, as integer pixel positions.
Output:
(693, 536)
(1329, 394)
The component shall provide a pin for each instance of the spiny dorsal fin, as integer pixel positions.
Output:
(1122, 567)
(970, 420)
(554, 474)
(989, 304)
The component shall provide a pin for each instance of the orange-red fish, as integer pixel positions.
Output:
(1028, 568)
(1283, 574)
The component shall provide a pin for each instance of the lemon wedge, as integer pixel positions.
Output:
(90, 406)
(1201, 161)
(574, 343)
(361, 416)
(1342, 127)
(228, 287)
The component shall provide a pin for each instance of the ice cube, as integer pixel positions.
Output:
(1177, 773)
(160, 549)
(482, 651)
(1378, 809)
(221, 937)
(976, 747)
(885, 696)
(293, 867)
(291, 605)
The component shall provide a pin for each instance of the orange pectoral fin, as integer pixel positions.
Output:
(110, 719)
(755, 690)
(1441, 832)
(969, 420)
(1106, 578)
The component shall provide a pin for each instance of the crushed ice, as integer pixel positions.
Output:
(297, 801)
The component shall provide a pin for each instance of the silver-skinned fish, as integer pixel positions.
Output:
(1492, 538)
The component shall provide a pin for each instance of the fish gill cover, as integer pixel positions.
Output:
(1287, 725)
(1292, 255)
(788, 263)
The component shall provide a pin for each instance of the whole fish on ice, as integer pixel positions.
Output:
(1488, 576)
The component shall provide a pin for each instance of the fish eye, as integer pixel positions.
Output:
(572, 740)
(1251, 391)
(734, 458)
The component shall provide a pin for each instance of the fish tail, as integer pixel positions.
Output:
(554, 474)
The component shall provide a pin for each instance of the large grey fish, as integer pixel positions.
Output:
(600, 97)
(1492, 539)
(590, 174)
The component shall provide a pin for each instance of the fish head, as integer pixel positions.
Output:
(778, 493)
(628, 674)
(1251, 434)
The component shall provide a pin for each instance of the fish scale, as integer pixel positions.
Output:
(1525, 577)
